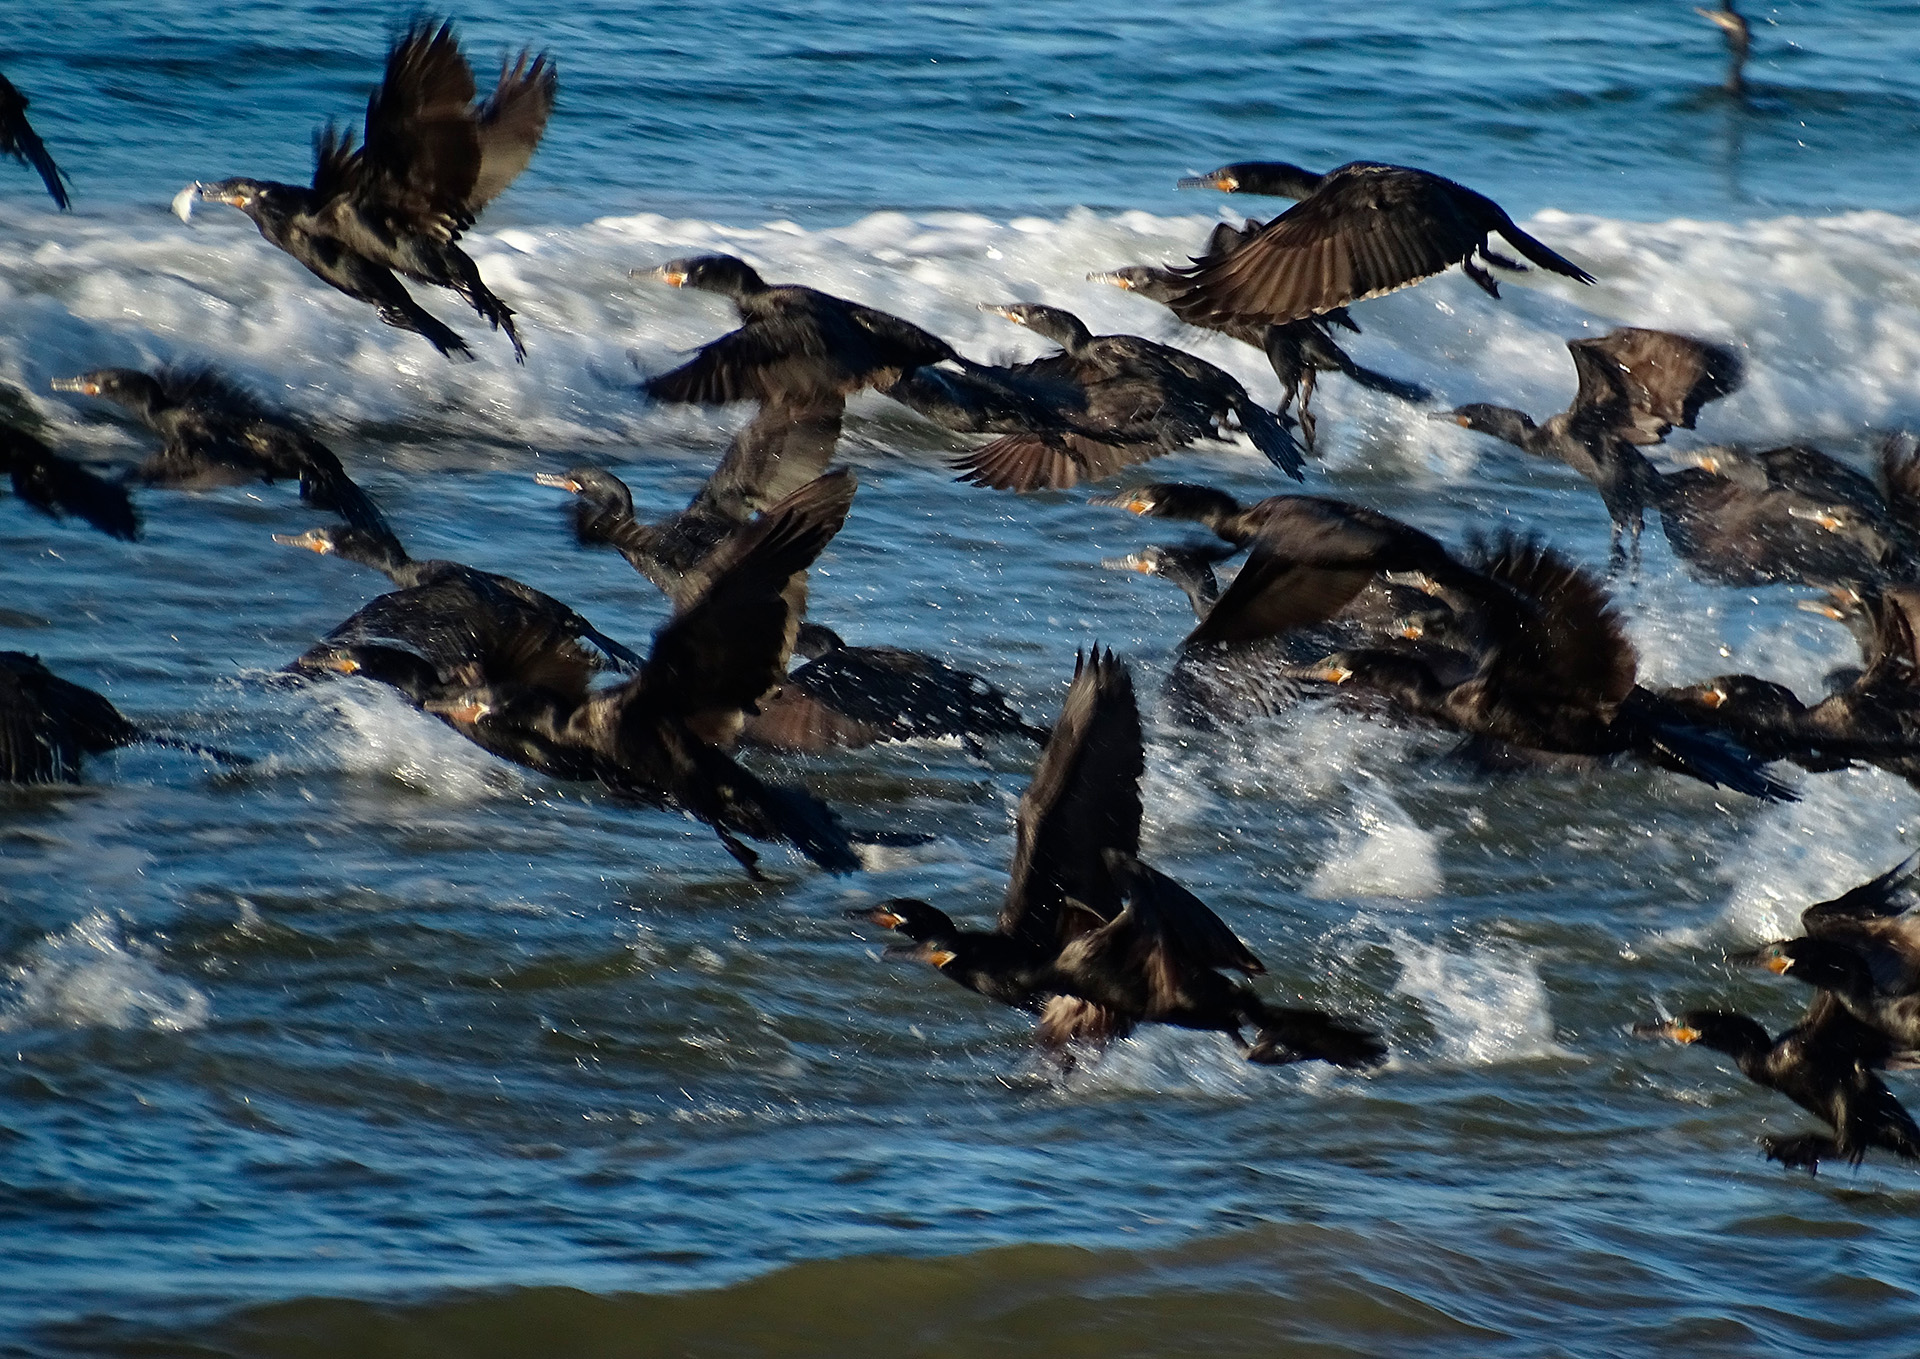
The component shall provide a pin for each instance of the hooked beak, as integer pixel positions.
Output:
(673, 278)
(84, 386)
(1117, 280)
(313, 540)
(344, 663)
(931, 954)
(1825, 608)
(1132, 562)
(560, 481)
(1219, 179)
(1412, 631)
(1008, 312)
(878, 915)
(1714, 697)
(1826, 519)
(466, 711)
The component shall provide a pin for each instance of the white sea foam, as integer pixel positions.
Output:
(373, 731)
(90, 974)
(1487, 1004)
(1380, 852)
(80, 293)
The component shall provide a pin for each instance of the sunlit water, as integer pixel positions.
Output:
(387, 1047)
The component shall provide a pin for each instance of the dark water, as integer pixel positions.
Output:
(386, 1048)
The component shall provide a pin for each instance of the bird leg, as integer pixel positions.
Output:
(1495, 258)
(1802, 1151)
(1480, 276)
(1307, 422)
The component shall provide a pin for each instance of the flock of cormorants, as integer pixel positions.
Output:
(1505, 642)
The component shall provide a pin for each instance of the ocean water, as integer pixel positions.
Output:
(384, 1047)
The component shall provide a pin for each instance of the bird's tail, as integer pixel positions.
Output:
(1272, 438)
(1392, 386)
(1288, 1035)
(429, 327)
(1539, 253)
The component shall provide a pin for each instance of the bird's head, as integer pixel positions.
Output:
(251, 196)
(123, 386)
(1061, 326)
(1267, 178)
(1171, 500)
(1721, 1030)
(1482, 418)
(936, 941)
(591, 484)
(723, 274)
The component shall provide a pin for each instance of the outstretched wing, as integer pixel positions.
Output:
(1084, 800)
(1640, 383)
(421, 156)
(1368, 230)
(720, 653)
(510, 126)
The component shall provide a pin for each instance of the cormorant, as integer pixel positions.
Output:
(58, 486)
(784, 447)
(1358, 231)
(18, 139)
(1556, 675)
(430, 163)
(1739, 33)
(1298, 350)
(857, 695)
(1140, 400)
(449, 613)
(1824, 1064)
(218, 434)
(1864, 948)
(47, 724)
(660, 737)
(793, 343)
(1093, 940)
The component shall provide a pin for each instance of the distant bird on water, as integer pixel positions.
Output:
(399, 203)
(1359, 231)
(1739, 39)
(18, 139)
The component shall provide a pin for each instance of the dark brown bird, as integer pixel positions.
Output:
(18, 139)
(1297, 350)
(1864, 948)
(1739, 34)
(1825, 1064)
(1557, 676)
(57, 486)
(216, 433)
(1359, 231)
(1634, 385)
(794, 344)
(661, 737)
(450, 614)
(48, 724)
(1092, 939)
(1139, 400)
(854, 696)
(430, 162)
(786, 446)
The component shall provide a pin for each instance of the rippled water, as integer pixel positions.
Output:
(386, 1047)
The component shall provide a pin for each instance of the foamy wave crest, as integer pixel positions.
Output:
(1486, 1005)
(1380, 852)
(90, 975)
(80, 292)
